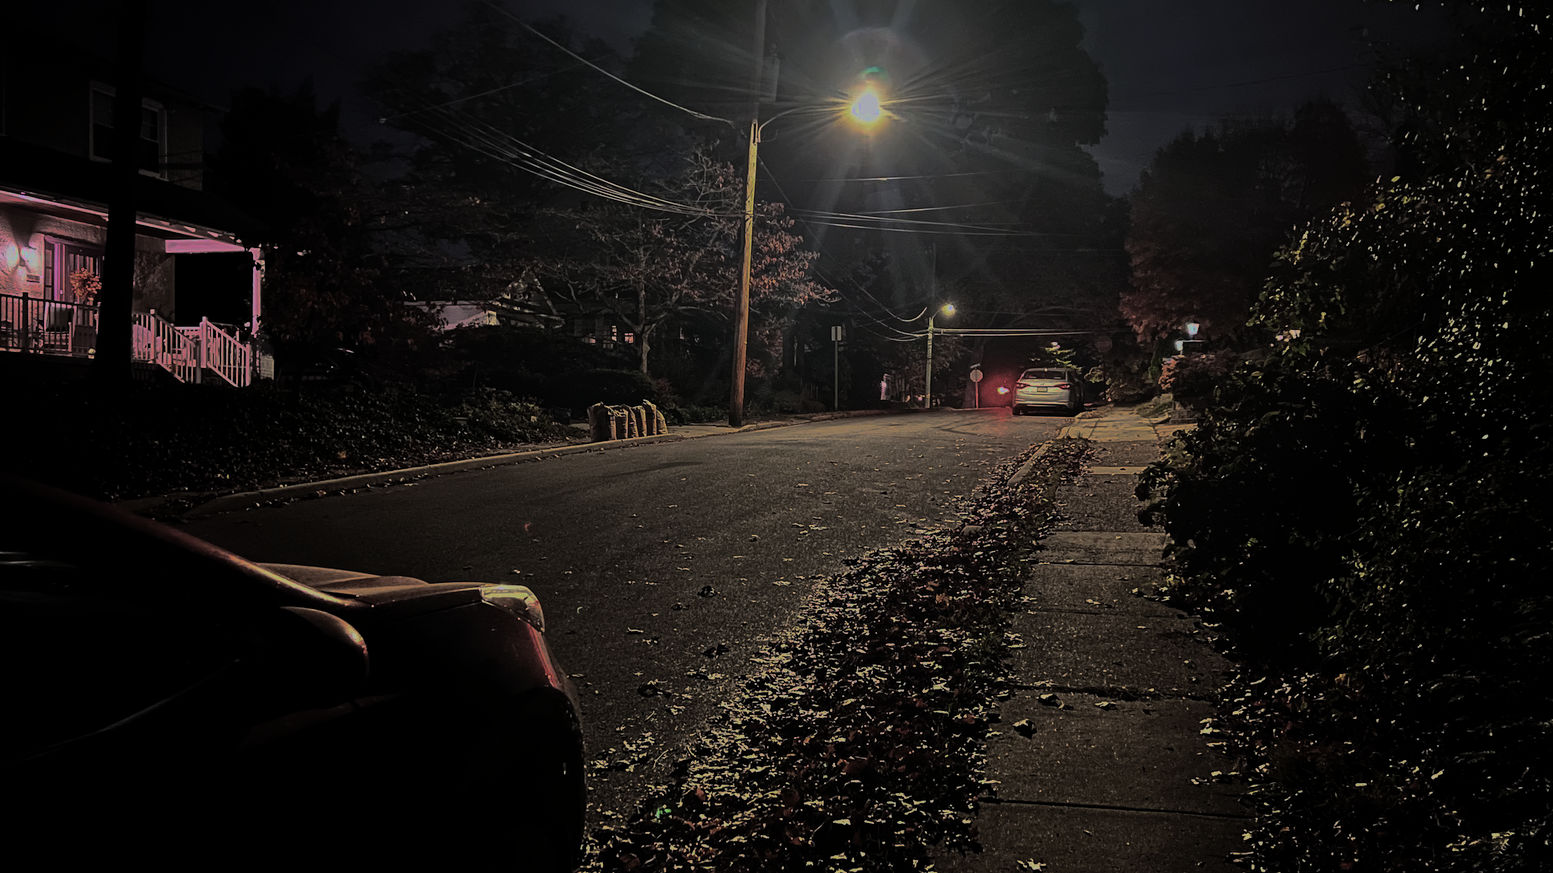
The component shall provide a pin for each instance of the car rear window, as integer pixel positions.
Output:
(1045, 374)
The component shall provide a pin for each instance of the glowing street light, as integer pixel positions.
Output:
(741, 329)
(866, 109)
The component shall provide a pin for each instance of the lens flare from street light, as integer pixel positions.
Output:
(948, 309)
(866, 108)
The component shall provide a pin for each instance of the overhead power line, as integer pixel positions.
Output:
(1012, 331)
(559, 47)
(498, 145)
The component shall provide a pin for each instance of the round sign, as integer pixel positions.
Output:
(1102, 344)
(975, 375)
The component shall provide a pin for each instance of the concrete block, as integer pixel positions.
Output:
(1079, 840)
(1141, 754)
(1089, 588)
(1103, 547)
(1161, 654)
(1137, 453)
(1101, 503)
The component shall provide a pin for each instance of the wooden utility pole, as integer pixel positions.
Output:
(116, 299)
(741, 315)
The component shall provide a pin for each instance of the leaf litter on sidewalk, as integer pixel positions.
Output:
(859, 741)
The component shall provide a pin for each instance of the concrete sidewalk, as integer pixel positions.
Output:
(1098, 763)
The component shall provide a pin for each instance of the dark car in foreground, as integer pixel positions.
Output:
(156, 683)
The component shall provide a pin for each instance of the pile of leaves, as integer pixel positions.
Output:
(859, 742)
(1365, 512)
(154, 438)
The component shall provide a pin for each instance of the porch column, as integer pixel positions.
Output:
(258, 281)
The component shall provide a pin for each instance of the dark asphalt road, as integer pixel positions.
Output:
(646, 557)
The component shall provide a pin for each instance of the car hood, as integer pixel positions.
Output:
(401, 593)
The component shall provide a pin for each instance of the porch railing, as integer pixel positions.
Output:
(221, 353)
(158, 341)
(33, 324)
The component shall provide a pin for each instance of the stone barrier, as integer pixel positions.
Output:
(606, 422)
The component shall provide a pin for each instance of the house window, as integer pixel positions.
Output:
(66, 266)
(152, 145)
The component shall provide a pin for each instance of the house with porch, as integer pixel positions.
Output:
(197, 292)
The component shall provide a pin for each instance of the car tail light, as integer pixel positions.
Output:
(1063, 385)
(1023, 385)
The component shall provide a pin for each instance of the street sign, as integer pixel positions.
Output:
(976, 375)
(835, 333)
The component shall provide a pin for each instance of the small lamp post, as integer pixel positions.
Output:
(946, 309)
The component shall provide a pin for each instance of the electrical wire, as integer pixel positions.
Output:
(494, 143)
(536, 32)
(384, 119)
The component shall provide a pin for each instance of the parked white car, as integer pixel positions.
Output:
(1048, 388)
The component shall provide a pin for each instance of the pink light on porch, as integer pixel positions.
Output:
(200, 246)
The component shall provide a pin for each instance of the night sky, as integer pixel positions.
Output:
(1185, 63)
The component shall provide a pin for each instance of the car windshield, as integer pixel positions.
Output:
(1045, 374)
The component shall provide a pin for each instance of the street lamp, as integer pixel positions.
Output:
(946, 309)
(866, 109)
(741, 324)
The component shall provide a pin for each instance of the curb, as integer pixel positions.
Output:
(247, 499)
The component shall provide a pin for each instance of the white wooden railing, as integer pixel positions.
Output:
(158, 341)
(32, 324)
(221, 353)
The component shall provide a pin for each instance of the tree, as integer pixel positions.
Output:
(284, 160)
(496, 129)
(649, 269)
(1212, 209)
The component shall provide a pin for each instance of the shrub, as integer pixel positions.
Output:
(1366, 514)
(1192, 378)
(605, 386)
